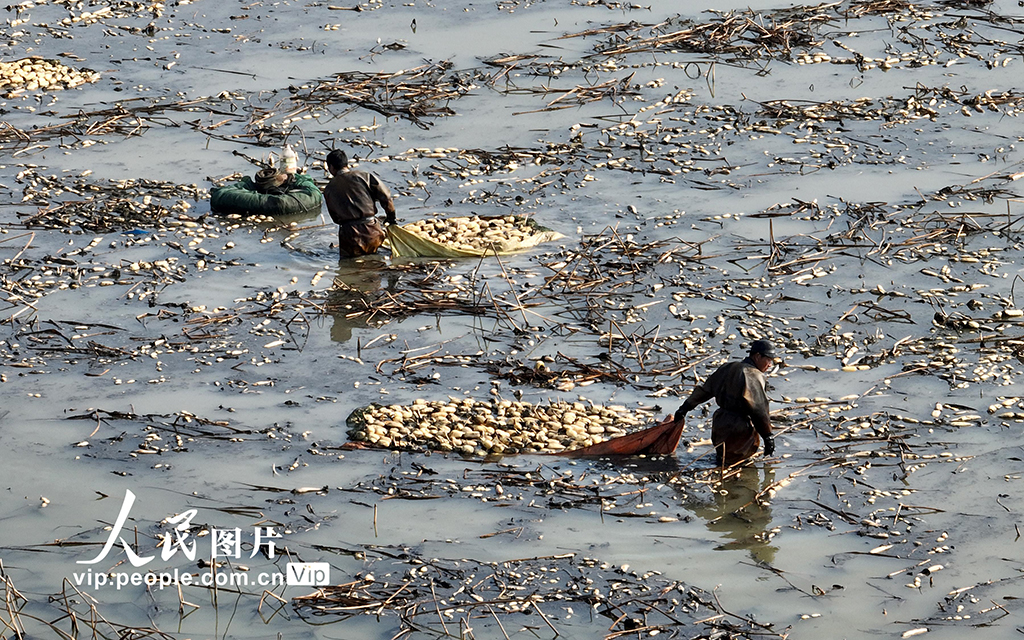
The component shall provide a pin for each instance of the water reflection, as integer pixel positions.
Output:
(356, 282)
(734, 514)
(292, 220)
(731, 510)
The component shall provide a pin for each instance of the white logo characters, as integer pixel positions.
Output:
(224, 543)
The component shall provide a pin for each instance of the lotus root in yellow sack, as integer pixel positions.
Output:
(407, 241)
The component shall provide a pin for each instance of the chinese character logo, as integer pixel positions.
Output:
(225, 543)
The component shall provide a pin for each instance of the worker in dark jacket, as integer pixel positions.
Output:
(351, 196)
(742, 415)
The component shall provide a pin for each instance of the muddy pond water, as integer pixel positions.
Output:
(843, 179)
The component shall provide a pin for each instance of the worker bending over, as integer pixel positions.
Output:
(742, 415)
(351, 196)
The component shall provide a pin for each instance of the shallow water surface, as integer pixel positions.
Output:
(863, 212)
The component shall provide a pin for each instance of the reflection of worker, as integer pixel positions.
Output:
(357, 285)
(735, 512)
(742, 415)
(350, 197)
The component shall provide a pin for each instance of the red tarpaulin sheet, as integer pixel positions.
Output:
(661, 439)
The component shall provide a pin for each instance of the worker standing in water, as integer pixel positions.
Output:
(351, 198)
(741, 420)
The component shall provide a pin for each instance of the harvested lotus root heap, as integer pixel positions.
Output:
(497, 427)
(36, 73)
(473, 233)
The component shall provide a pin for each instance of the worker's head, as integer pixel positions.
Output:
(269, 179)
(763, 354)
(337, 160)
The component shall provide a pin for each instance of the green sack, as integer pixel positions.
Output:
(243, 198)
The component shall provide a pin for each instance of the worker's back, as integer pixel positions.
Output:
(350, 195)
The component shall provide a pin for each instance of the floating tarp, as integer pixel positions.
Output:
(407, 243)
(503, 427)
(242, 198)
(492, 427)
(661, 439)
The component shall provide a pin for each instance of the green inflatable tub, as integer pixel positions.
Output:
(243, 198)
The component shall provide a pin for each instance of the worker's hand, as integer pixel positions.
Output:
(391, 218)
(769, 446)
(681, 413)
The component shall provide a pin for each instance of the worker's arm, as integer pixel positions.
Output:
(699, 396)
(382, 195)
(757, 400)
